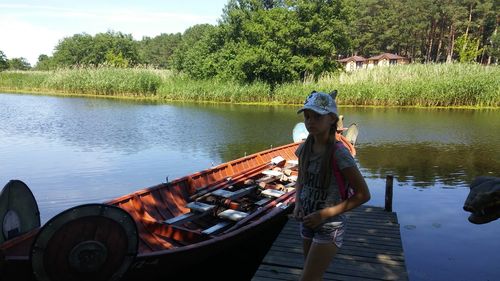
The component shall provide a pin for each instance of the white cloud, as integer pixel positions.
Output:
(23, 39)
(30, 30)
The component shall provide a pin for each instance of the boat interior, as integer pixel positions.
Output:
(195, 210)
(199, 207)
(211, 203)
(202, 206)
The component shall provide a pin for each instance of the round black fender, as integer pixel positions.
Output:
(2, 261)
(18, 210)
(88, 242)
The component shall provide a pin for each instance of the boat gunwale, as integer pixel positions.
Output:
(187, 178)
(210, 238)
(215, 239)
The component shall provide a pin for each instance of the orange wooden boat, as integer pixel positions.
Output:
(213, 224)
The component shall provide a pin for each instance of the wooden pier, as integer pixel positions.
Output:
(372, 250)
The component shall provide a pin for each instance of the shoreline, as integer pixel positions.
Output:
(161, 100)
(406, 86)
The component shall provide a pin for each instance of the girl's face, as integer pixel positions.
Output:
(317, 124)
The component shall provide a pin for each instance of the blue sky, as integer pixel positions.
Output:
(31, 28)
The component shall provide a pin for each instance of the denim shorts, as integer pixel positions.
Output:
(328, 232)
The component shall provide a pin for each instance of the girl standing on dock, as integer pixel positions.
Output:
(319, 204)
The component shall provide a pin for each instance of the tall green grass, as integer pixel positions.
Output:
(180, 87)
(406, 85)
(23, 80)
(91, 81)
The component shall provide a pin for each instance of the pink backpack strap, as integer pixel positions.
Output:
(338, 175)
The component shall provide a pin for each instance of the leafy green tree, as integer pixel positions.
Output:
(19, 64)
(494, 47)
(118, 44)
(158, 51)
(3, 61)
(116, 60)
(45, 63)
(84, 49)
(412, 18)
(74, 50)
(195, 54)
(270, 41)
(321, 34)
(489, 21)
(260, 50)
(367, 29)
(467, 48)
(424, 30)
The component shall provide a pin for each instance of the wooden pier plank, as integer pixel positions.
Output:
(372, 250)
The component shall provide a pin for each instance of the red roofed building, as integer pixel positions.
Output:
(353, 63)
(385, 59)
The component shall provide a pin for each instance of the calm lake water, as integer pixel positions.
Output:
(71, 151)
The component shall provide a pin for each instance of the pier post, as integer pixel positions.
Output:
(388, 193)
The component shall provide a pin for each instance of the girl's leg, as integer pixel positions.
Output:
(318, 259)
(306, 245)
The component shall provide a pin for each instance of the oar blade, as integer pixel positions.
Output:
(300, 132)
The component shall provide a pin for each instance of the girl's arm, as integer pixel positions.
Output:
(361, 195)
(361, 192)
(297, 211)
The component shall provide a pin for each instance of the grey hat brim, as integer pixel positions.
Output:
(316, 109)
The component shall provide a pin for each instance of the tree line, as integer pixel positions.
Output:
(278, 41)
(429, 30)
(14, 63)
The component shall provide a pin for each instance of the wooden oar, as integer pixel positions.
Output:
(264, 209)
(299, 132)
(352, 133)
(225, 182)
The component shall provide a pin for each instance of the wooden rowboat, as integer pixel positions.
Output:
(213, 224)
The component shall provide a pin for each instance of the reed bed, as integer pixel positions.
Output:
(180, 87)
(23, 80)
(426, 85)
(106, 81)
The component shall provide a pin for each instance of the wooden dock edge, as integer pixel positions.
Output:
(372, 250)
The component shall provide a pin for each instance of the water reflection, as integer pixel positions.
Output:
(229, 131)
(421, 146)
(125, 127)
(428, 164)
(436, 126)
(72, 151)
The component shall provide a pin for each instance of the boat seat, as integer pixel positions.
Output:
(272, 173)
(180, 218)
(262, 202)
(233, 195)
(269, 176)
(229, 217)
(215, 228)
(199, 206)
(277, 160)
(197, 209)
(291, 164)
(272, 193)
(232, 215)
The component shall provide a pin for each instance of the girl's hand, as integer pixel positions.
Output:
(312, 220)
(298, 213)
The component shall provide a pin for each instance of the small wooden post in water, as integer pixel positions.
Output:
(388, 193)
